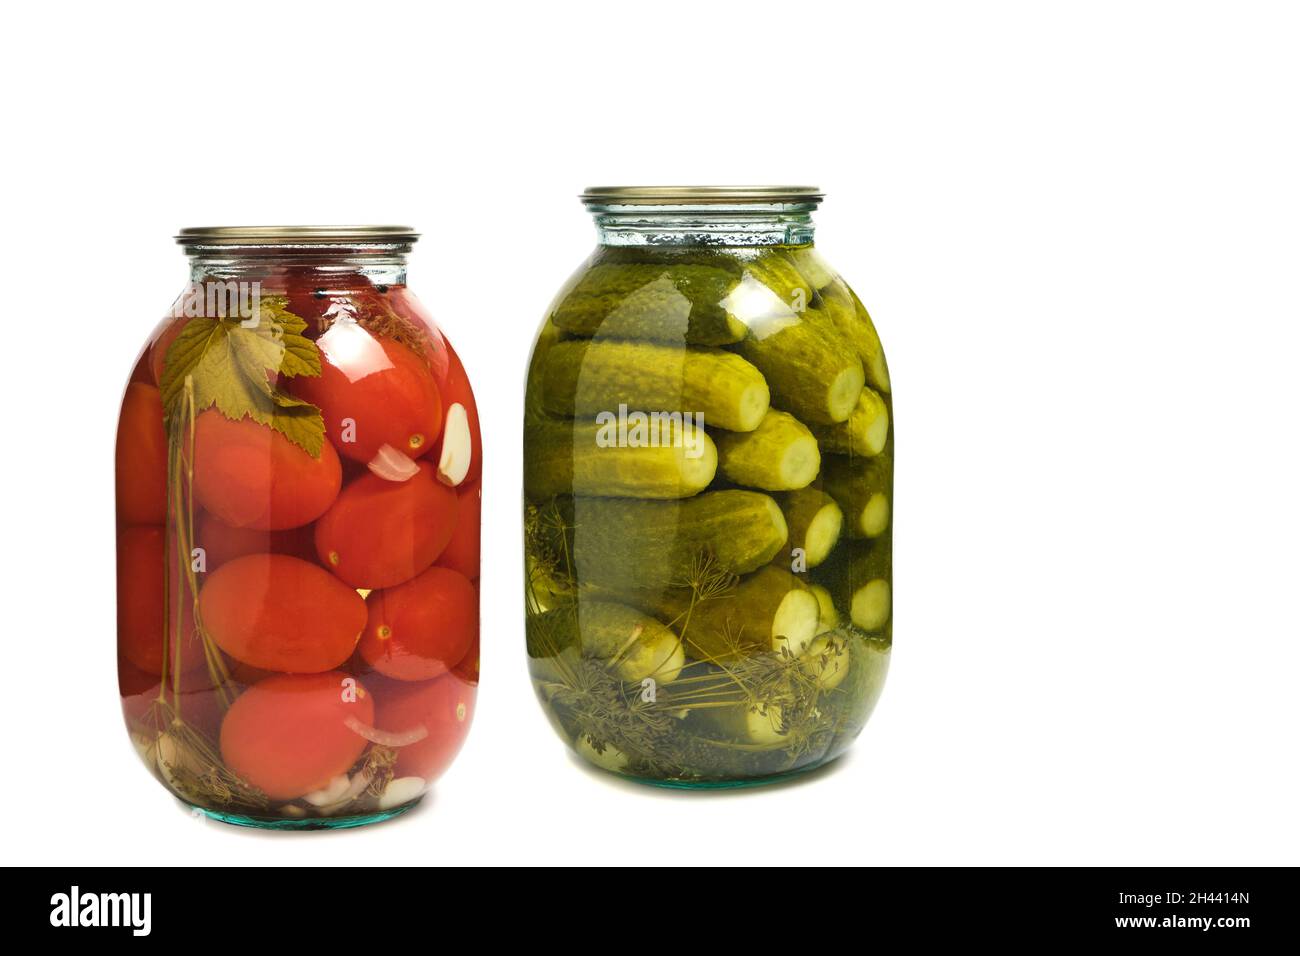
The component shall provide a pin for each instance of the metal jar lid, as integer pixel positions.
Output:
(294, 235)
(699, 195)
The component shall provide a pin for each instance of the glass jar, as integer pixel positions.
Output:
(298, 462)
(708, 459)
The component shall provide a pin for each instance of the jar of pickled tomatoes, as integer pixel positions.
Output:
(708, 475)
(298, 475)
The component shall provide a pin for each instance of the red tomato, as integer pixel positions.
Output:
(143, 620)
(462, 551)
(251, 476)
(141, 457)
(420, 629)
(281, 614)
(373, 392)
(289, 734)
(443, 707)
(222, 542)
(456, 390)
(380, 533)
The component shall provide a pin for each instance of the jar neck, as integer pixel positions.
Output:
(379, 264)
(731, 224)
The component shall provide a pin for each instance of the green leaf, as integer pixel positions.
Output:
(232, 367)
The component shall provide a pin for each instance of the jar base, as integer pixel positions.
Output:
(305, 823)
(747, 783)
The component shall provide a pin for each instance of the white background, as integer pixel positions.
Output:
(1077, 226)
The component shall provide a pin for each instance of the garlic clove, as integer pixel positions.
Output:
(399, 791)
(457, 447)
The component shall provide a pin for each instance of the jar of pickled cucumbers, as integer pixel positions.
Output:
(298, 463)
(708, 467)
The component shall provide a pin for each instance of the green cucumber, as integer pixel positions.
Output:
(810, 370)
(585, 378)
(631, 644)
(778, 274)
(779, 455)
(865, 433)
(660, 457)
(626, 544)
(861, 487)
(634, 645)
(769, 610)
(829, 618)
(815, 521)
(858, 579)
(757, 726)
(849, 317)
(677, 302)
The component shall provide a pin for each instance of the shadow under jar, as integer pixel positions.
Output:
(708, 468)
(298, 462)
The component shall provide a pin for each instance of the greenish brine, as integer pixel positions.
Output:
(708, 483)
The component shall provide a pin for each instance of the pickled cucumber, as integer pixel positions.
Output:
(679, 302)
(861, 487)
(625, 543)
(629, 644)
(849, 317)
(635, 645)
(812, 267)
(829, 617)
(669, 459)
(865, 432)
(586, 378)
(811, 372)
(779, 455)
(815, 521)
(858, 579)
(769, 610)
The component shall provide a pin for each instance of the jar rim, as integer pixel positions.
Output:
(294, 235)
(699, 195)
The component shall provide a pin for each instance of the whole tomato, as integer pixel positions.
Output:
(292, 733)
(422, 628)
(380, 533)
(281, 613)
(373, 391)
(251, 476)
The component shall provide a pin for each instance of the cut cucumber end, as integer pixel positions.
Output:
(799, 464)
(843, 392)
(828, 618)
(672, 660)
(764, 726)
(871, 605)
(697, 472)
(874, 517)
(795, 623)
(751, 408)
(876, 432)
(822, 534)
